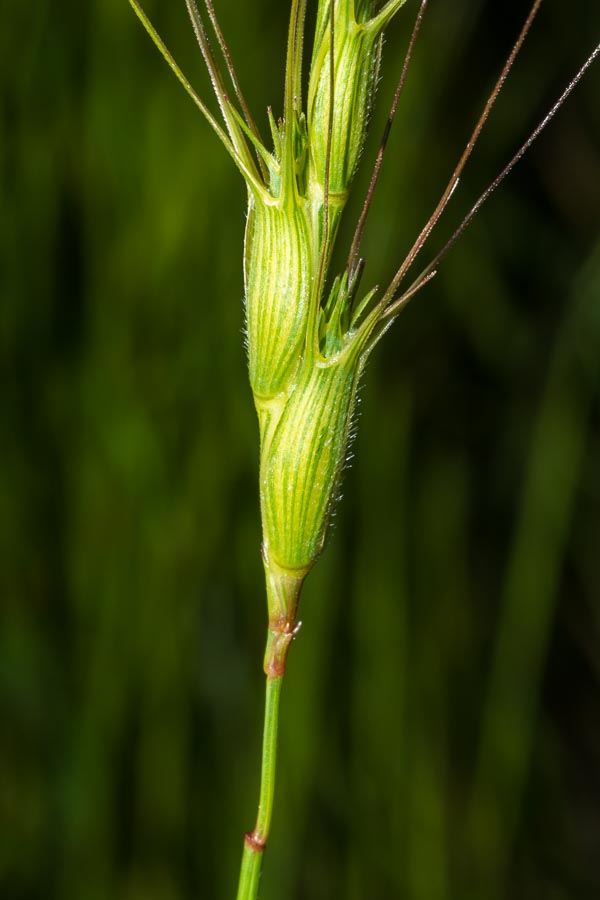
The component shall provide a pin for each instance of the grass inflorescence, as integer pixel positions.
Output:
(309, 331)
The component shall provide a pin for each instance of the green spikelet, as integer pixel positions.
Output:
(279, 266)
(304, 444)
(302, 463)
(356, 56)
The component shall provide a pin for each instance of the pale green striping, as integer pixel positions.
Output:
(324, 419)
(351, 118)
(317, 470)
(324, 457)
(304, 463)
(278, 282)
(355, 60)
(300, 533)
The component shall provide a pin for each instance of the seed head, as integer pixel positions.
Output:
(307, 349)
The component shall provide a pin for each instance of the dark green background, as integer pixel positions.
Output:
(441, 720)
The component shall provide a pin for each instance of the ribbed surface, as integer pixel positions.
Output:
(355, 65)
(303, 464)
(278, 268)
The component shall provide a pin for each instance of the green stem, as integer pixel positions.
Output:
(283, 592)
(255, 842)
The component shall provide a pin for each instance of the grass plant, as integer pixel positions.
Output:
(310, 332)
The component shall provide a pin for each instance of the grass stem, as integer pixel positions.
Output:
(255, 841)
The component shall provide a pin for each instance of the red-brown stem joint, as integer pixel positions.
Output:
(254, 842)
(283, 593)
(281, 634)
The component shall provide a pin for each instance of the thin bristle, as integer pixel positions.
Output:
(450, 187)
(360, 227)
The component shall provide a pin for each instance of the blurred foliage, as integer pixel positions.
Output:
(441, 721)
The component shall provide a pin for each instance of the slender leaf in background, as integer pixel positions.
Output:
(560, 431)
